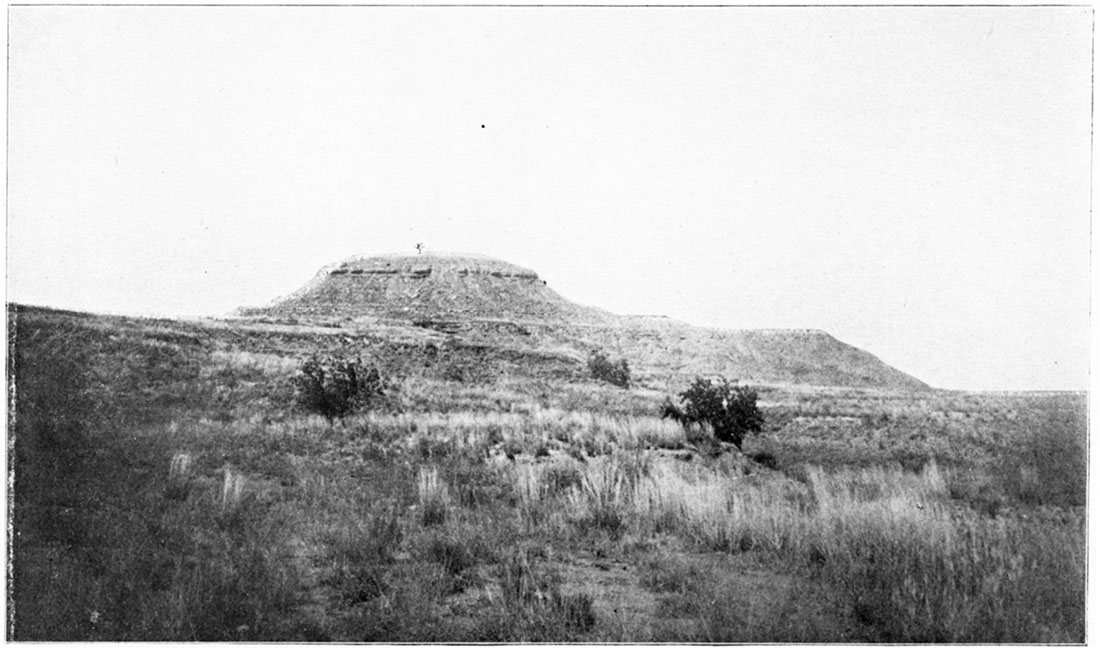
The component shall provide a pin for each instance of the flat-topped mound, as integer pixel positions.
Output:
(430, 287)
(489, 299)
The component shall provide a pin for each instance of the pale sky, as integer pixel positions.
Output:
(914, 181)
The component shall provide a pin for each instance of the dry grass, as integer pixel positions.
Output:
(165, 490)
(914, 565)
(249, 363)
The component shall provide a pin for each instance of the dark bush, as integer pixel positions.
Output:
(765, 458)
(728, 408)
(602, 368)
(335, 387)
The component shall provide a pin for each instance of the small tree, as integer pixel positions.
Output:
(335, 388)
(602, 368)
(730, 409)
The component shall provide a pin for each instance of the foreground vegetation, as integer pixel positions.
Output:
(167, 488)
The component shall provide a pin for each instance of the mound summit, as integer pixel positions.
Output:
(460, 293)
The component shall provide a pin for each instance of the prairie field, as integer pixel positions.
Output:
(166, 487)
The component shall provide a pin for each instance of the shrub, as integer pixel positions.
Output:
(602, 368)
(335, 388)
(765, 458)
(728, 408)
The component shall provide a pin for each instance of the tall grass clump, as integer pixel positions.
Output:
(529, 491)
(721, 513)
(179, 476)
(432, 496)
(632, 432)
(602, 498)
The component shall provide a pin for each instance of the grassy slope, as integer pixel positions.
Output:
(165, 488)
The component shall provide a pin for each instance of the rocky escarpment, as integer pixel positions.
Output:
(441, 289)
(480, 300)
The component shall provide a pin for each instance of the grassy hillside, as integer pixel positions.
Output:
(778, 357)
(167, 488)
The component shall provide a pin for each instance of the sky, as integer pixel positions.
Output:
(914, 181)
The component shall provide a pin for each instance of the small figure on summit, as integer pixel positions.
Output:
(419, 248)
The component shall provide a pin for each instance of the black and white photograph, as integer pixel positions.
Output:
(559, 324)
